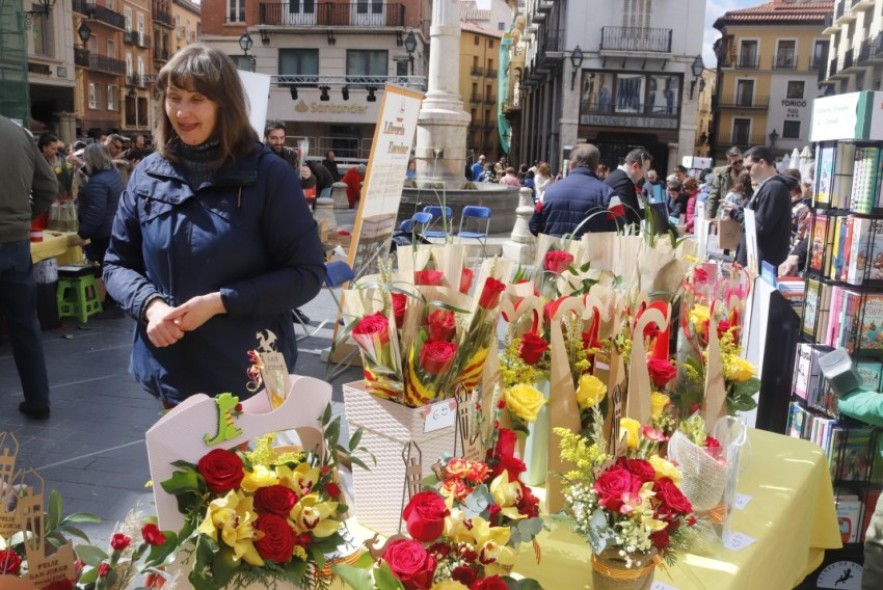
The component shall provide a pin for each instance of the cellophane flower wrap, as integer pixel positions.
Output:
(447, 549)
(630, 501)
(261, 516)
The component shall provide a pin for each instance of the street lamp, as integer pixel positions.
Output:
(410, 47)
(576, 60)
(245, 43)
(697, 68)
(84, 33)
(42, 7)
(774, 137)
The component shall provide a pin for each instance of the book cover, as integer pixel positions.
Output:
(871, 373)
(848, 512)
(824, 175)
(866, 251)
(870, 323)
(835, 256)
(796, 420)
(824, 310)
(811, 307)
(871, 499)
(846, 248)
(817, 243)
(850, 454)
(844, 165)
(802, 363)
(831, 330)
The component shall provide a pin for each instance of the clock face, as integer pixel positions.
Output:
(841, 575)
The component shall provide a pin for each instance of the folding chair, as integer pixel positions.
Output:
(443, 214)
(476, 212)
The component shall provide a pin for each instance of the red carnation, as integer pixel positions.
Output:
(532, 348)
(222, 470)
(425, 516)
(119, 541)
(152, 535)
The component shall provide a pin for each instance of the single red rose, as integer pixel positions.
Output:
(639, 468)
(441, 325)
(660, 539)
(429, 278)
(411, 564)
(276, 499)
(557, 261)
(371, 332)
(532, 348)
(103, 569)
(590, 342)
(425, 516)
(333, 490)
(399, 305)
(119, 541)
(661, 371)
(673, 500)
(723, 327)
(79, 566)
(303, 539)
(501, 403)
(492, 583)
(713, 447)
(325, 470)
(152, 535)
(464, 574)
(277, 543)
(466, 276)
(222, 470)
(490, 293)
(436, 357)
(10, 562)
(612, 485)
(700, 275)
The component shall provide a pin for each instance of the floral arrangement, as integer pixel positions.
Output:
(695, 431)
(264, 515)
(428, 340)
(630, 503)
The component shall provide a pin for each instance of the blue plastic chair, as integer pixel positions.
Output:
(337, 274)
(477, 213)
(443, 214)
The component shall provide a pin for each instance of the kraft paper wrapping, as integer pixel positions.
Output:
(598, 249)
(448, 258)
(626, 254)
(715, 389)
(563, 408)
(637, 398)
(522, 313)
(661, 270)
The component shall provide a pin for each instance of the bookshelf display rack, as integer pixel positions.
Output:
(843, 306)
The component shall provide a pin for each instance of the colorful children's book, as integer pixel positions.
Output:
(817, 242)
(844, 165)
(871, 373)
(866, 251)
(869, 322)
(824, 175)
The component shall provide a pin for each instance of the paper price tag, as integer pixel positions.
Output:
(741, 501)
(657, 585)
(276, 377)
(735, 541)
(440, 415)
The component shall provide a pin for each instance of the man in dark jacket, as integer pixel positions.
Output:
(324, 180)
(771, 204)
(579, 203)
(331, 165)
(29, 187)
(624, 182)
(724, 177)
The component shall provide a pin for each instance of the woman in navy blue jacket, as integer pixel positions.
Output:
(213, 243)
(97, 201)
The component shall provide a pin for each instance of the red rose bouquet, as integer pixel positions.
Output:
(449, 549)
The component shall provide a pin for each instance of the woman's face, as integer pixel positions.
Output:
(193, 115)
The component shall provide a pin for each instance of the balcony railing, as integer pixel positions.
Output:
(626, 109)
(877, 45)
(551, 40)
(490, 100)
(787, 61)
(163, 17)
(81, 57)
(100, 13)
(864, 51)
(743, 140)
(475, 100)
(108, 65)
(490, 73)
(332, 14)
(832, 68)
(136, 80)
(636, 39)
(847, 59)
(476, 71)
(130, 37)
(745, 102)
(743, 62)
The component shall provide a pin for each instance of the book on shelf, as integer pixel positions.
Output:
(807, 375)
(871, 373)
(843, 170)
(866, 251)
(849, 509)
(865, 179)
(797, 417)
(871, 497)
(838, 251)
(817, 243)
(850, 454)
(866, 315)
(824, 175)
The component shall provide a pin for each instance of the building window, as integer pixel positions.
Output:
(127, 12)
(791, 130)
(376, 6)
(361, 62)
(113, 93)
(111, 49)
(741, 131)
(475, 40)
(795, 89)
(819, 54)
(748, 54)
(140, 69)
(41, 32)
(243, 62)
(786, 54)
(744, 93)
(299, 62)
(490, 43)
(93, 95)
(501, 26)
(636, 13)
(130, 68)
(141, 27)
(235, 11)
(402, 67)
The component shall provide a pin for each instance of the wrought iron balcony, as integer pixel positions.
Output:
(630, 109)
(81, 57)
(477, 71)
(742, 62)
(163, 17)
(745, 102)
(848, 59)
(490, 100)
(475, 100)
(785, 61)
(743, 140)
(643, 39)
(100, 13)
(864, 51)
(832, 68)
(490, 73)
(108, 65)
(302, 13)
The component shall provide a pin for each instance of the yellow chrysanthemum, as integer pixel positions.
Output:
(699, 315)
(738, 369)
(525, 401)
(234, 516)
(664, 468)
(311, 515)
(260, 477)
(591, 391)
(632, 429)
(658, 401)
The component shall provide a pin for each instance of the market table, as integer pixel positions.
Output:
(791, 515)
(65, 246)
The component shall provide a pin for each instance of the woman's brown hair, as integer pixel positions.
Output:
(690, 185)
(208, 71)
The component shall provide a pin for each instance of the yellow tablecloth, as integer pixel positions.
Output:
(62, 245)
(791, 514)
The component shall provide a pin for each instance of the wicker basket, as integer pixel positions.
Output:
(388, 428)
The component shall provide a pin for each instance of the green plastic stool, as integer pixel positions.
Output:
(78, 293)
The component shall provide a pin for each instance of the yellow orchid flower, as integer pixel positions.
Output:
(311, 515)
(259, 477)
(234, 516)
(490, 543)
(507, 495)
(459, 528)
(301, 479)
(632, 429)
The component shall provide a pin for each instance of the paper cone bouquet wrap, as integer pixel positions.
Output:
(425, 333)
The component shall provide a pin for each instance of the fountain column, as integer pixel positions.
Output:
(442, 122)
(521, 245)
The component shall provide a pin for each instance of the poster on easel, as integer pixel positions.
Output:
(384, 178)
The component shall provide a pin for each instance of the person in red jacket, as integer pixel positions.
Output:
(353, 180)
(691, 189)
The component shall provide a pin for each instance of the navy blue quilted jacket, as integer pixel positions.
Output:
(570, 202)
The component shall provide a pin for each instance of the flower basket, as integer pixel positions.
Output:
(609, 571)
(388, 428)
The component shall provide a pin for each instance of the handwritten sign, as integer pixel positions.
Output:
(276, 378)
(735, 541)
(741, 501)
(440, 415)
